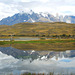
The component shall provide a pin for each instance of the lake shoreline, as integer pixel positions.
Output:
(38, 41)
(53, 44)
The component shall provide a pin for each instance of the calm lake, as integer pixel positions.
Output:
(16, 62)
(20, 38)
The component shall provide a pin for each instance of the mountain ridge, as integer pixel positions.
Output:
(35, 17)
(28, 17)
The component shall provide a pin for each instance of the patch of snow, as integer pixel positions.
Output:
(44, 14)
(44, 57)
(24, 20)
(54, 58)
(24, 51)
(38, 59)
(32, 20)
(33, 51)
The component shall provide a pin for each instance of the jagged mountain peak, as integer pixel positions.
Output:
(31, 16)
(26, 16)
(44, 14)
(27, 12)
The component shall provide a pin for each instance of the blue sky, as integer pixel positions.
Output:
(62, 7)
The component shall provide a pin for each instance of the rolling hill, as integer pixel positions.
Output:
(38, 29)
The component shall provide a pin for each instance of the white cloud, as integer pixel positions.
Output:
(8, 7)
(25, 0)
(34, 0)
(7, 10)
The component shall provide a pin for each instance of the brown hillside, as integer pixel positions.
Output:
(38, 28)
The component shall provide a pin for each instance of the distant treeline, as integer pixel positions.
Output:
(51, 73)
(37, 35)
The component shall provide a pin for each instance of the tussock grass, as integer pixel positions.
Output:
(38, 29)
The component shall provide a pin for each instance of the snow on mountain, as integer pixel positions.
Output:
(44, 14)
(44, 58)
(27, 12)
(31, 16)
(67, 19)
(24, 20)
(31, 20)
(32, 51)
(42, 19)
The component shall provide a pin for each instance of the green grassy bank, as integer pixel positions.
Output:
(39, 41)
(55, 44)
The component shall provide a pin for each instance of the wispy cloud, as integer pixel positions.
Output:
(8, 7)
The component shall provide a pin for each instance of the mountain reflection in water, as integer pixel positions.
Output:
(18, 61)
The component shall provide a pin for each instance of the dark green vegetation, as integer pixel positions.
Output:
(38, 41)
(64, 44)
(58, 30)
(51, 73)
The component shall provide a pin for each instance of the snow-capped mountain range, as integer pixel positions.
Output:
(35, 17)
